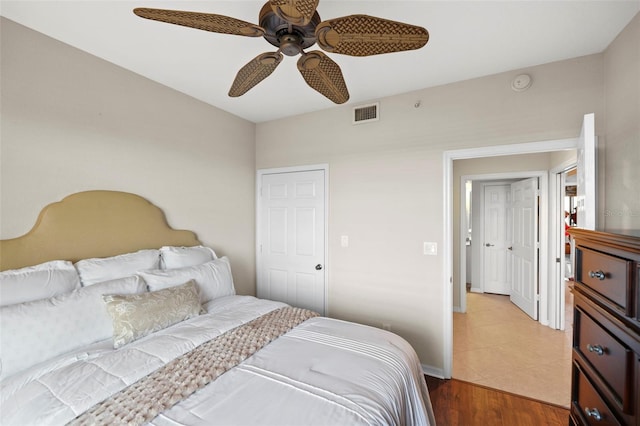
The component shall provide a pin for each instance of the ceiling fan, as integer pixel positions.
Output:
(294, 25)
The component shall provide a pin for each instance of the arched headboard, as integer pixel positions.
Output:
(92, 224)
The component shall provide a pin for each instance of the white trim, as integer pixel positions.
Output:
(515, 149)
(556, 242)
(462, 243)
(432, 371)
(293, 169)
(556, 246)
(447, 294)
(565, 166)
(448, 158)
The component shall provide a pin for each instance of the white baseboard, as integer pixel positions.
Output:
(475, 290)
(433, 371)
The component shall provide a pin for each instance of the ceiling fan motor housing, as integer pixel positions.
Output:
(290, 38)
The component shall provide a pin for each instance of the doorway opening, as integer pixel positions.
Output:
(496, 341)
(448, 210)
(487, 245)
(551, 236)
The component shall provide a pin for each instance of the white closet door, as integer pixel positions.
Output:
(291, 249)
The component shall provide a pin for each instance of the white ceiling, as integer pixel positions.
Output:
(468, 39)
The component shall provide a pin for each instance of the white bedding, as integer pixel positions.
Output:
(324, 372)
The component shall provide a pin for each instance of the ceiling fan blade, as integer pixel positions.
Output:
(323, 75)
(202, 21)
(297, 12)
(254, 72)
(363, 35)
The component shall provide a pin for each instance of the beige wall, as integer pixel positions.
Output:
(386, 182)
(72, 122)
(622, 127)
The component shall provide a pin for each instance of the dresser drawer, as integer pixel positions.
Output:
(612, 359)
(608, 275)
(587, 404)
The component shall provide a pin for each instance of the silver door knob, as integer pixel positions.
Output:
(318, 267)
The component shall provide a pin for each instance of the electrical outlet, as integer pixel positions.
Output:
(430, 249)
(344, 241)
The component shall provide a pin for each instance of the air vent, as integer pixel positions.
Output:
(366, 113)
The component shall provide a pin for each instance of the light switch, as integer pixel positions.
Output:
(430, 249)
(344, 241)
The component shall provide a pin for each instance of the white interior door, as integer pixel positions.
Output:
(557, 217)
(586, 200)
(291, 238)
(524, 249)
(496, 271)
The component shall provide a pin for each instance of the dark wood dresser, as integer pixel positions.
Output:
(605, 384)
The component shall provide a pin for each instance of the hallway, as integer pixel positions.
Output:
(496, 345)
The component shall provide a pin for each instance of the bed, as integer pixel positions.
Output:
(109, 316)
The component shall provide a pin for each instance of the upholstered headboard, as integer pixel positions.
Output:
(92, 224)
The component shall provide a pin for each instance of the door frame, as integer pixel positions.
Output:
(448, 158)
(556, 198)
(293, 169)
(497, 178)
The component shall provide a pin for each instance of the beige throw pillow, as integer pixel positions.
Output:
(137, 315)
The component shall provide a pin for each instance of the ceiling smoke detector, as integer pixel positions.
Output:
(521, 83)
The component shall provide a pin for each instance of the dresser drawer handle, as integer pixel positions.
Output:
(594, 413)
(597, 274)
(597, 349)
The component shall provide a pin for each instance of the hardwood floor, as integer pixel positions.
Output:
(458, 403)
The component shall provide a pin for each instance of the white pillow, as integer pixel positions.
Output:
(37, 282)
(180, 257)
(34, 332)
(213, 278)
(97, 270)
